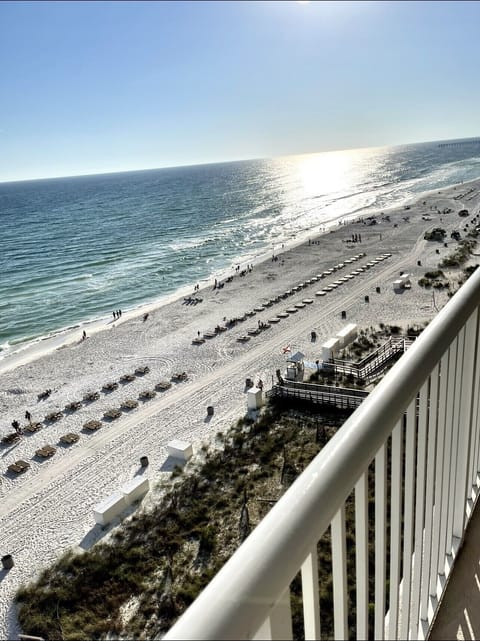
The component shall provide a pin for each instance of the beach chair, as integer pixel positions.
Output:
(68, 439)
(19, 467)
(92, 425)
(32, 427)
(46, 451)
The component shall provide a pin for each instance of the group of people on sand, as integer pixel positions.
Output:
(116, 314)
(16, 424)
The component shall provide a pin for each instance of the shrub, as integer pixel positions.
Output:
(435, 274)
(435, 234)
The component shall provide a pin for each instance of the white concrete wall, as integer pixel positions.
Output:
(108, 509)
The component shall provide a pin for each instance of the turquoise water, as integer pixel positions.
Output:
(74, 249)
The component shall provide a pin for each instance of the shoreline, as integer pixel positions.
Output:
(30, 350)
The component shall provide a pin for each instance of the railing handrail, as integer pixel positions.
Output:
(234, 604)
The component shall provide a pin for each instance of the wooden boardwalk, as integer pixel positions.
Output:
(373, 364)
(340, 397)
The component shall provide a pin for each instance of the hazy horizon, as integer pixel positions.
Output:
(221, 162)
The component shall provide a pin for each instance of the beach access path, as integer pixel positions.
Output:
(49, 508)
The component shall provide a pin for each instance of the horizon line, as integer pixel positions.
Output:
(218, 162)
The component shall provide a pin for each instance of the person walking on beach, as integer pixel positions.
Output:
(28, 416)
(84, 335)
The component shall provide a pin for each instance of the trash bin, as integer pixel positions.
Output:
(210, 410)
(344, 314)
(7, 561)
(367, 299)
(144, 461)
(378, 290)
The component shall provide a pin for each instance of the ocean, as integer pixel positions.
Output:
(75, 249)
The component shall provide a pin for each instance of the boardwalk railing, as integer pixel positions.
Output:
(340, 397)
(375, 362)
(415, 439)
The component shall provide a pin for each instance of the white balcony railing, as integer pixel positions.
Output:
(418, 433)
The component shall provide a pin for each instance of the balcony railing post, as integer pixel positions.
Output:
(361, 554)
(421, 528)
(446, 507)
(410, 475)
(439, 469)
(395, 526)
(339, 568)
(380, 543)
(278, 624)
(465, 427)
(310, 596)
(473, 469)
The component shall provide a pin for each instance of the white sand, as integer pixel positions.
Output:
(49, 508)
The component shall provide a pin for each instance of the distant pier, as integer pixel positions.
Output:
(476, 141)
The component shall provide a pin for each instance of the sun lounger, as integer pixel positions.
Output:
(32, 427)
(283, 315)
(243, 339)
(320, 293)
(146, 395)
(259, 309)
(92, 425)
(179, 377)
(253, 332)
(129, 404)
(127, 378)
(73, 407)
(209, 335)
(162, 386)
(110, 387)
(69, 438)
(53, 417)
(307, 301)
(140, 371)
(13, 437)
(250, 314)
(19, 467)
(274, 320)
(113, 413)
(299, 305)
(91, 396)
(46, 451)
(198, 341)
(292, 310)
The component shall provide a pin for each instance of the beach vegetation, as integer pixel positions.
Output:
(460, 255)
(437, 234)
(432, 279)
(164, 557)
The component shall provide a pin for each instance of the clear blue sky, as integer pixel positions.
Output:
(91, 87)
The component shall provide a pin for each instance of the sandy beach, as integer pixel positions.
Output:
(49, 508)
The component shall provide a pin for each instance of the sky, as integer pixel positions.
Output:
(94, 87)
